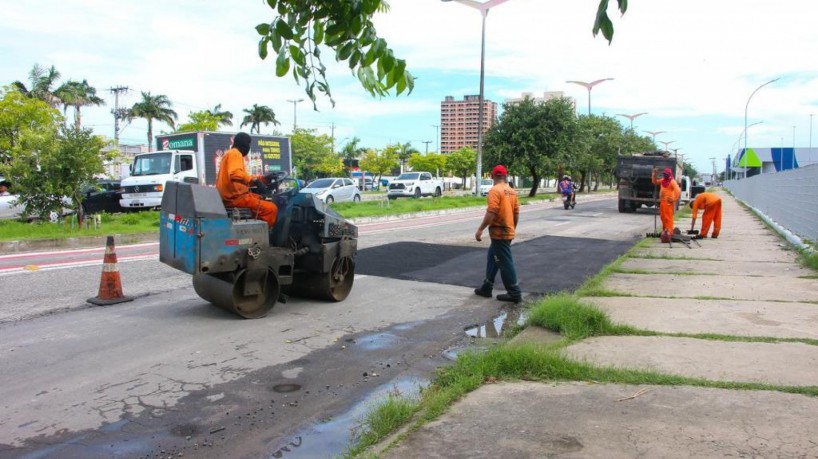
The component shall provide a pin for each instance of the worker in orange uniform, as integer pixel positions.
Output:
(711, 203)
(233, 182)
(669, 193)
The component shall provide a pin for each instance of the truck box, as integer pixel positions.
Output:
(194, 157)
(634, 175)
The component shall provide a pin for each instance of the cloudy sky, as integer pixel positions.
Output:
(691, 65)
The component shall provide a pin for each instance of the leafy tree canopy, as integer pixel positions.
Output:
(201, 121)
(532, 138)
(300, 29)
(432, 162)
(45, 167)
(18, 114)
(313, 156)
(462, 163)
(380, 163)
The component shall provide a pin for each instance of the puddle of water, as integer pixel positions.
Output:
(378, 341)
(452, 352)
(332, 438)
(494, 327)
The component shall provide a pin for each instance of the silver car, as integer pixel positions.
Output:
(332, 190)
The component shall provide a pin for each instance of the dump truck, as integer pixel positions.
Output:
(194, 157)
(242, 267)
(634, 175)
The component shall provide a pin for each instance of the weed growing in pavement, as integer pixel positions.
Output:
(386, 417)
(566, 314)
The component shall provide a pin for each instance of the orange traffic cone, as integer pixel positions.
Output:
(110, 285)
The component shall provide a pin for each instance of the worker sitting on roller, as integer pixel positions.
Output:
(669, 193)
(711, 203)
(233, 182)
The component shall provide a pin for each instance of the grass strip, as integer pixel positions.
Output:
(124, 223)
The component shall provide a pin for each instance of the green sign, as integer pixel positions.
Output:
(179, 144)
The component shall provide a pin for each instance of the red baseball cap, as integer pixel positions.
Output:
(499, 170)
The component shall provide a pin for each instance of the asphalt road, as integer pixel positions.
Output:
(168, 373)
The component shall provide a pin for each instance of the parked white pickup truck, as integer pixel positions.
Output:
(415, 185)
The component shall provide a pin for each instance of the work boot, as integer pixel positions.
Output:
(509, 298)
(715, 236)
(482, 292)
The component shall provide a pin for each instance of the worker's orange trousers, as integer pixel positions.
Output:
(666, 214)
(712, 214)
(263, 210)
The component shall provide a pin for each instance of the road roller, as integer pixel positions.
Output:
(240, 266)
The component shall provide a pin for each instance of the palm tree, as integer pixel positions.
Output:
(77, 95)
(258, 115)
(42, 81)
(225, 117)
(153, 108)
(405, 151)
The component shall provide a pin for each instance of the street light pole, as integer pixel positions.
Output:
(745, 117)
(484, 11)
(294, 102)
(632, 117)
(589, 86)
(810, 131)
(437, 137)
(654, 134)
(667, 143)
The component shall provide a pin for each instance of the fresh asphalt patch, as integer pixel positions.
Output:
(544, 265)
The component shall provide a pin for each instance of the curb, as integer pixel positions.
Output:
(8, 247)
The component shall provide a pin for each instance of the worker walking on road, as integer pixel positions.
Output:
(502, 215)
(669, 193)
(233, 182)
(711, 203)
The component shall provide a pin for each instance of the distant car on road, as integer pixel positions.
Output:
(102, 196)
(11, 208)
(485, 186)
(335, 189)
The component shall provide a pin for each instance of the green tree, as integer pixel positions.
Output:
(432, 162)
(151, 108)
(200, 121)
(532, 138)
(352, 151)
(19, 114)
(299, 30)
(224, 117)
(379, 163)
(600, 140)
(46, 166)
(258, 115)
(462, 163)
(313, 156)
(77, 94)
(405, 151)
(42, 83)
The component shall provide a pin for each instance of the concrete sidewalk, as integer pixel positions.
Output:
(746, 283)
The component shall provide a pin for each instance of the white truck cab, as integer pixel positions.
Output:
(150, 172)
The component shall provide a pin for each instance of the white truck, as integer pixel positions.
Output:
(194, 157)
(415, 185)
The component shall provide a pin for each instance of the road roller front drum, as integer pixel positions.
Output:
(229, 292)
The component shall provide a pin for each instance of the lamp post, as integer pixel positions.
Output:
(667, 143)
(810, 131)
(437, 137)
(589, 86)
(736, 143)
(294, 102)
(484, 11)
(654, 134)
(745, 116)
(632, 117)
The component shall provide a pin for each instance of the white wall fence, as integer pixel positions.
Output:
(789, 198)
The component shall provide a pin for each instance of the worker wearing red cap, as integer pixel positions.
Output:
(502, 215)
(669, 193)
(711, 203)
